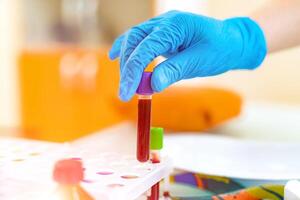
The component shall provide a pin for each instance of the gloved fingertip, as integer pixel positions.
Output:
(113, 54)
(123, 95)
(124, 98)
(116, 48)
(127, 90)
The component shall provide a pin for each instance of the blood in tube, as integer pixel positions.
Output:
(143, 136)
(144, 92)
(155, 192)
(156, 144)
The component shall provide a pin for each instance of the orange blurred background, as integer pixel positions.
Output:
(67, 92)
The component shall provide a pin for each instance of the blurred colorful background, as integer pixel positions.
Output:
(57, 83)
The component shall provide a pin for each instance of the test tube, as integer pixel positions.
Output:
(156, 144)
(144, 92)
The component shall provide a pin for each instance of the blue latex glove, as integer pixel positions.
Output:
(195, 45)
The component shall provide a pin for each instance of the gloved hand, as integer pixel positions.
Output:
(195, 45)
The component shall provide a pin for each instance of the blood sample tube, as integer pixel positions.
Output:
(156, 144)
(144, 92)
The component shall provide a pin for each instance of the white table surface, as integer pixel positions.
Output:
(262, 126)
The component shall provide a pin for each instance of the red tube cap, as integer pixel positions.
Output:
(68, 171)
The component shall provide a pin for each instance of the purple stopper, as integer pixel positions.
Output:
(145, 84)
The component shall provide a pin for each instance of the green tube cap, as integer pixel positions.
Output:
(156, 138)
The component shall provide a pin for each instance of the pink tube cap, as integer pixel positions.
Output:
(145, 84)
(68, 172)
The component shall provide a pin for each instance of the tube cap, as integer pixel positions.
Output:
(145, 84)
(68, 171)
(156, 138)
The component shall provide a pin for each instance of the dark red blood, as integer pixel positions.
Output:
(155, 192)
(155, 188)
(155, 158)
(166, 194)
(155, 161)
(143, 135)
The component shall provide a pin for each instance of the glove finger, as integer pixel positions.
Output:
(134, 36)
(116, 47)
(159, 42)
(132, 39)
(145, 26)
